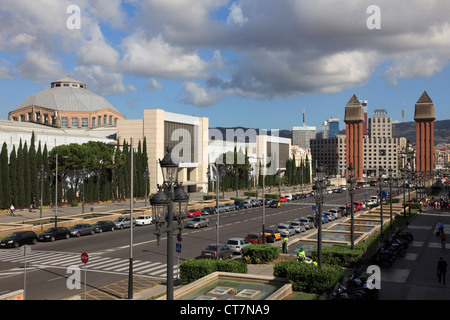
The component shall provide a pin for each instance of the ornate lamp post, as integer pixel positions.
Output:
(169, 204)
(56, 186)
(352, 183)
(319, 188)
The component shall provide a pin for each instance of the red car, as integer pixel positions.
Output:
(194, 213)
(254, 238)
(358, 205)
(282, 199)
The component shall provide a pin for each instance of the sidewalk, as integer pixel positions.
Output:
(414, 276)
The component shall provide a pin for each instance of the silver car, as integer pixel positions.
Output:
(298, 226)
(197, 222)
(236, 244)
(285, 230)
(123, 222)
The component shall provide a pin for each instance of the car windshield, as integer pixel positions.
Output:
(196, 219)
(282, 227)
(51, 230)
(232, 242)
(211, 247)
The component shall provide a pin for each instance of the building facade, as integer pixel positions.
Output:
(425, 117)
(187, 136)
(67, 104)
(301, 136)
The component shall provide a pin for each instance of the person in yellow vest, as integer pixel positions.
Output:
(285, 244)
(301, 254)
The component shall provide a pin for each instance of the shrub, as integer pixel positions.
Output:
(260, 253)
(341, 255)
(194, 269)
(308, 277)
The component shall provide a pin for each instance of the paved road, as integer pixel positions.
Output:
(109, 251)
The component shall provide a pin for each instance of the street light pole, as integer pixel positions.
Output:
(82, 175)
(319, 188)
(352, 182)
(380, 184)
(390, 181)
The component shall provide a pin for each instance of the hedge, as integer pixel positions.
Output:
(260, 253)
(194, 269)
(341, 255)
(308, 277)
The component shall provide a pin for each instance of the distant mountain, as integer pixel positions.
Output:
(408, 130)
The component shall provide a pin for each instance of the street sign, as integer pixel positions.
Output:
(25, 250)
(365, 195)
(179, 237)
(84, 257)
(314, 207)
(178, 247)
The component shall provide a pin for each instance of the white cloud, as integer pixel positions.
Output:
(153, 85)
(197, 96)
(236, 16)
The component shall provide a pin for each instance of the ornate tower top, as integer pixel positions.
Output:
(354, 111)
(424, 110)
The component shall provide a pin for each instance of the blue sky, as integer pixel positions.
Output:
(251, 63)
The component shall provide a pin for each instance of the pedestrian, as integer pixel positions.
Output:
(11, 210)
(301, 254)
(441, 270)
(443, 238)
(285, 245)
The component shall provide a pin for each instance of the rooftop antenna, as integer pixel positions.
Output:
(403, 110)
(304, 117)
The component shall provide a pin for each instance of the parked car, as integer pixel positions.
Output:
(254, 238)
(267, 201)
(123, 222)
(81, 229)
(223, 208)
(54, 233)
(19, 238)
(239, 204)
(209, 210)
(194, 213)
(236, 244)
(288, 197)
(282, 199)
(298, 226)
(198, 222)
(105, 225)
(211, 252)
(275, 203)
(358, 205)
(145, 220)
(313, 219)
(273, 235)
(254, 202)
(336, 213)
(325, 219)
(307, 223)
(285, 230)
(329, 215)
(230, 206)
(247, 204)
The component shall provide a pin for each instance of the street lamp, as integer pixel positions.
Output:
(56, 187)
(146, 183)
(169, 204)
(130, 267)
(380, 184)
(390, 181)
(83, 177)
(42, 175)
(352, 183)
(319, 194)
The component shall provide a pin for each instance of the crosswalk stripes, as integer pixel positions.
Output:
(96, 263)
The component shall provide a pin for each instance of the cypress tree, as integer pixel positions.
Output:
(20, 176)
(13, 175)
(27, 175)
(5, 181)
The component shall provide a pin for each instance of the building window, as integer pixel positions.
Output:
(110, 119)
(74, 122)
(104, 119)
(99, 121)
(93, 122)
(65, 84)
(64, 122)
(84, 122)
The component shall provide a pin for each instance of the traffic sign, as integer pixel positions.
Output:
(314, 207)
(179, 237)
(25, 250)
(84, 257)
(365, 195)
(178, 247)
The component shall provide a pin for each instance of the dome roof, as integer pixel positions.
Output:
(67, 95)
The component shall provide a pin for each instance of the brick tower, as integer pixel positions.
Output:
(424, 117)
(354, 119)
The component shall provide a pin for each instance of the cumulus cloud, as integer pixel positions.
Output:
(218, 48)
